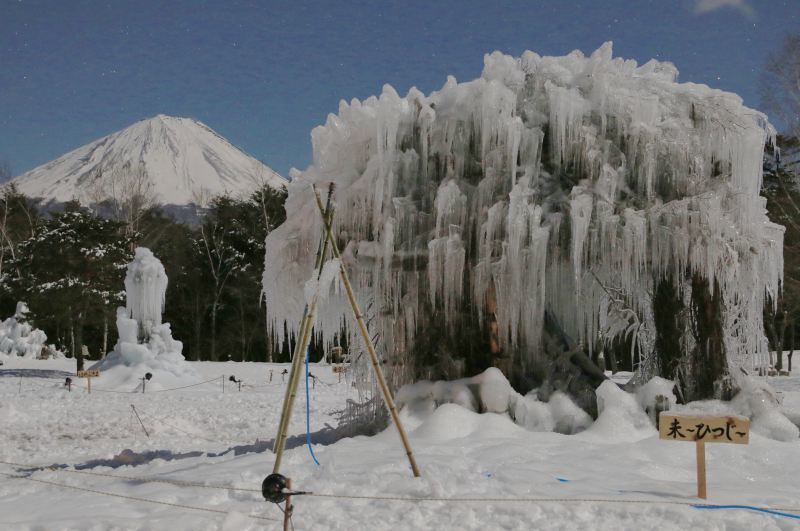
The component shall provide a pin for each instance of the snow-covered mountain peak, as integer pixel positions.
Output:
(184, 160)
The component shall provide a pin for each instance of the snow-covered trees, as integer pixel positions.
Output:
(62, 262)
(229, 247)
(515, 200)
(18, 219)
(70, 273)
(125, 194)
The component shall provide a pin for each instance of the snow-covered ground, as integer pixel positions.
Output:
(203, 436)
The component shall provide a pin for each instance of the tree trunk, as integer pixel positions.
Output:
(242, 331)
(71, 334)
(668, 316)
(709, 362)
(611, 357)
(791, 345)
(105, 336)
(79, 340)
(214, 331)
(267, 343)
(781, 341)
(199, 318)
(775, 325)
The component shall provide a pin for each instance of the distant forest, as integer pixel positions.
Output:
(69, 266)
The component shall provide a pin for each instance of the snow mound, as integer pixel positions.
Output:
(568, 417)
(490, 392)
(648, 393)
(620, 415)
(757, 400)
(448, 421)
(18, 338)
(494, 391)
(124, 367)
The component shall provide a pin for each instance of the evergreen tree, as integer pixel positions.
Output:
(71, 273)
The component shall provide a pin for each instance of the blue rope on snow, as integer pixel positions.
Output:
(749, 508)
(308, 415)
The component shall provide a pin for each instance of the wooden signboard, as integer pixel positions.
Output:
(701, 429)
(89, 375)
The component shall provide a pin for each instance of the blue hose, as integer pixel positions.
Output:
(749, 508)
(308, 415)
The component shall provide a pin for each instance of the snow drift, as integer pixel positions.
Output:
(490, 392)
(569, 184)
(622, 415)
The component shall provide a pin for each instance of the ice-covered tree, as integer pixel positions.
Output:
(145, 289)
(144, 343)
(495, 211)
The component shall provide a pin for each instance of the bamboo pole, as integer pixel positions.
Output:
(387, 395)
(303, 338)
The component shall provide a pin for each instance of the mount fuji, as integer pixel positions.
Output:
(184, 160)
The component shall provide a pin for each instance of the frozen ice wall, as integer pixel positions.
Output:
(571, 184)
(145, 289)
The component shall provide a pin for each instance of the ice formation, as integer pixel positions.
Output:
(145, 289)
(145, 344)
(541, 185)
(20, 339)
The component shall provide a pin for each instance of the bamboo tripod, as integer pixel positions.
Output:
(304, 336)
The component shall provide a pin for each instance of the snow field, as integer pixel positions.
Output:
(461, 453)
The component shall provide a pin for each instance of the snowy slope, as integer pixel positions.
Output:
(183, 158)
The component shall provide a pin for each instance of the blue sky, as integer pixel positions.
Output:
(263, 74)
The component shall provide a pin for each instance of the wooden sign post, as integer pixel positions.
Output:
(700, 430)
(89, 375)
(339, 369)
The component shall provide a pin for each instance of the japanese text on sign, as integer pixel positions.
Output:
(690, 428)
